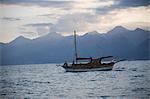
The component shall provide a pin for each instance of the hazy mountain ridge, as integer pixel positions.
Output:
(54, 48)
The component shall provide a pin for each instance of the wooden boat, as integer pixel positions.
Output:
(93, 65)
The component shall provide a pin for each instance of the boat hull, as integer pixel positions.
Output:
(88, 67)
(91, 69)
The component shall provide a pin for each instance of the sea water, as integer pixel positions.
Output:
(127, 80)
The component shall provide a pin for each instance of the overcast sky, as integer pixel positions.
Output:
(33, 18)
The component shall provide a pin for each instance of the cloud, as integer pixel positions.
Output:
(75, 6)
(52, 15)
(38, 28)
(85, 22)
(122, 4)
(85, 3)
(131, 18)
(10, 19)
(41, 3)
(28, 33)
(82, 22)
(38, 24)
(134, 25)
(67, 15)
(133, 3)
(46, 15)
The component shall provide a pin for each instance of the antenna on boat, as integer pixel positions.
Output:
(75, 45)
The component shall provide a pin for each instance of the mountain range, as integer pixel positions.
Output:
(55, 48)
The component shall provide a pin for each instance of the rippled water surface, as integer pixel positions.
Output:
(128, 79)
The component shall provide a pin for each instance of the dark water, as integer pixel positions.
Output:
(127, 80)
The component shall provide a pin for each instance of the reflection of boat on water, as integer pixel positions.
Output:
(93, 65)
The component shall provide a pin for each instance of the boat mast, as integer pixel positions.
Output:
(75, 45)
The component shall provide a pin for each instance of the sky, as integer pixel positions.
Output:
(35, 18)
